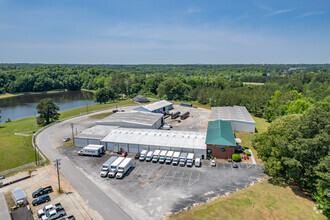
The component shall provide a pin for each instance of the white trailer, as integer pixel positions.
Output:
(155, 156)
(183, 158)
(106, 166)
(91, 151)
(143, 155)
(190, 159)
(98, 146)
(176, 156)
(162, 156)
(124, 167)
(169, 156)
(114, 166)
(149, 156)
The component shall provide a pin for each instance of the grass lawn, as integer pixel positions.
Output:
(194, 103)
(8, 95)
(17, 150)
(261, 201)
(261, 124)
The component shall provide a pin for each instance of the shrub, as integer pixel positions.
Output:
(248, 153)
(236, 157)
(246, 147)
(229, 160)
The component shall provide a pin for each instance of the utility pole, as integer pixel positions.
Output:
(57, 164)
(72, 132)
(35, 148)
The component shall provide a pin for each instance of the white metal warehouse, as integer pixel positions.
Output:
(92, 135)
(162, 106)
(238, 116)
(136, 140)
(134, 119)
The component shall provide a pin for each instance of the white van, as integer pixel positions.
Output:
(149, 156)
(198, 162)
(143, 155)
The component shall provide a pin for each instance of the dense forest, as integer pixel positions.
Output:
(287, 88)
(295, 98)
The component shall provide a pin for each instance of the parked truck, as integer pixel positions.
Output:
(183, 158)
(106, 166)
(124, 167)
(190, 159)
(149, 156)
(90, 151)
(48, 208)
(98, 146)
(155, 156)
(114, 166)
(54, 214)
(176, 157)
(143, 155)
(169, 157)
(184, 116)
(162, 156)
(42, 191)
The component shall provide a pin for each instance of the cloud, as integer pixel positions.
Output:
(283, 11)
(193, 9)
(262, 6)
(311, 13)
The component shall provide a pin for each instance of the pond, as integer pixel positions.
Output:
(25, 105)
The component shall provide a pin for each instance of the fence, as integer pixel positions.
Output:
(39, 153)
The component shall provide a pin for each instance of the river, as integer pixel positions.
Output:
(22, 106)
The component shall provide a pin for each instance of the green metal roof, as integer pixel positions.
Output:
(220, 133)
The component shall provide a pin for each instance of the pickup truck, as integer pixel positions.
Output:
(54, 214)
(71, 217)
(48, 208)
(42, 191)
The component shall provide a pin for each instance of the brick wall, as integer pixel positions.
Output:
(216, 151)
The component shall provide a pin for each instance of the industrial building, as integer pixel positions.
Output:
(220, 140)
(162, 106)
(4, 214)
(134, 119)
(238, 116)
(136, 140)
(92, 135)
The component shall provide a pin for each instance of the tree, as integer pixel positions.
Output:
(104, 94)
(0, 115)
(47, 110)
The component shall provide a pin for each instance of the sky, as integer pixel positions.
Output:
(164, 31)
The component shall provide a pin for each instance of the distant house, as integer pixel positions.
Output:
(220, 140)
(140, 98)
(162, 106)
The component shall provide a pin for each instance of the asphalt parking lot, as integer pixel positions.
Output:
(197, 120)
(152, 190)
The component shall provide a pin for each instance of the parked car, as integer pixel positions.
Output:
(124, 154)
(239, 149)
(115, 110)
(235, 164)
(54, 214)
(71, 217)
(137, 156)
(66, 139)
(213, 163)
(42, 191)
(41, 199)
(48, 208)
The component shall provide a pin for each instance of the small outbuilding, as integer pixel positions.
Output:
(220, 140)
(19, 196)
(162, 106)
(238, 116)
(134, 119)
(140, 99)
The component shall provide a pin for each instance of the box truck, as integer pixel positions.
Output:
(162, 156)
(114, 166)
(106, 166)
(183, 158)
(169, 157)
(143, 155)
(124, 167)
(90, 151)
(176, 156)
(155, 156)
(190, 159)
(149, 156)
(98, 146)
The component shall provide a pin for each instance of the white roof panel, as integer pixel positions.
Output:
(96, 132)
(157, 105)
(228, 113)
(153, 137)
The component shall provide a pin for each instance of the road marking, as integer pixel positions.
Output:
(189, 178)
(190, 184)
(181, 178)
(173, 177)
(165, 177)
